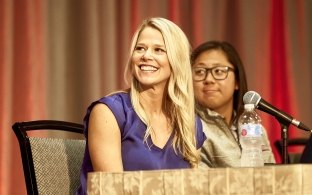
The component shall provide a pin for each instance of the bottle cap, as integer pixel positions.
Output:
(249, 106)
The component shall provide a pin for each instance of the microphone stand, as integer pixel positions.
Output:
(284, 135)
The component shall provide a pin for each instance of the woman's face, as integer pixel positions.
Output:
(211, 93)
(150, 62)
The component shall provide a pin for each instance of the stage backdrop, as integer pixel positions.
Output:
(57, 56)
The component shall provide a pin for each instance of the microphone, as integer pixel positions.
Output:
(252, 97)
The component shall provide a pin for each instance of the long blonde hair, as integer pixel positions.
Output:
(180, 87)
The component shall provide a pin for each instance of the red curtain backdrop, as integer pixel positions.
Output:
(57, 56)
(22, 84)
(279, 66)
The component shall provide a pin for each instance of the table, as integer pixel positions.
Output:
(275, 179)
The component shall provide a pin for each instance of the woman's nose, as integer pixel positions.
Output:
(147, 54)
(209, 77)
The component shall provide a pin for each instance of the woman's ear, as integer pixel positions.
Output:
(236, 85)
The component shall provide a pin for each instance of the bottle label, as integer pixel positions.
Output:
(250, 130)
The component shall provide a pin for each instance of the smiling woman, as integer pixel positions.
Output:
(151, 125)
(149, 59)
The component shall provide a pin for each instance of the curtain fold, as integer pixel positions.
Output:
(5, 92)
(23, 84)
(57, 56)
(279, 86)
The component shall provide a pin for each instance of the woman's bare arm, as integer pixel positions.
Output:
(104, 140)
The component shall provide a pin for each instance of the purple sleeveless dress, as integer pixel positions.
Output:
(136, 155)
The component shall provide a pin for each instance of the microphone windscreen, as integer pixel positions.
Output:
(251, 97)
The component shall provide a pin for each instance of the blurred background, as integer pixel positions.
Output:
(57, 56)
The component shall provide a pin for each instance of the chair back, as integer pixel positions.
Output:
(51, 165)
(293, 143)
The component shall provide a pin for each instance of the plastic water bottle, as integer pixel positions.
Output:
(250, 133)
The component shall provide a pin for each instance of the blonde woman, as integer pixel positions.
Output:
(152, 125)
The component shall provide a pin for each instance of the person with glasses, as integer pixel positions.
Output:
(220, 83)
(151, 125)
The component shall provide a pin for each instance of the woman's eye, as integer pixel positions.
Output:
(139, 48)
(219, 71)
(200, 71)
(160, 50)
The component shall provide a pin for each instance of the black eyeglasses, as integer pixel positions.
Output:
(218, 72)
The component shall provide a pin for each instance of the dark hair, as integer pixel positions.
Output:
(234, 58)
